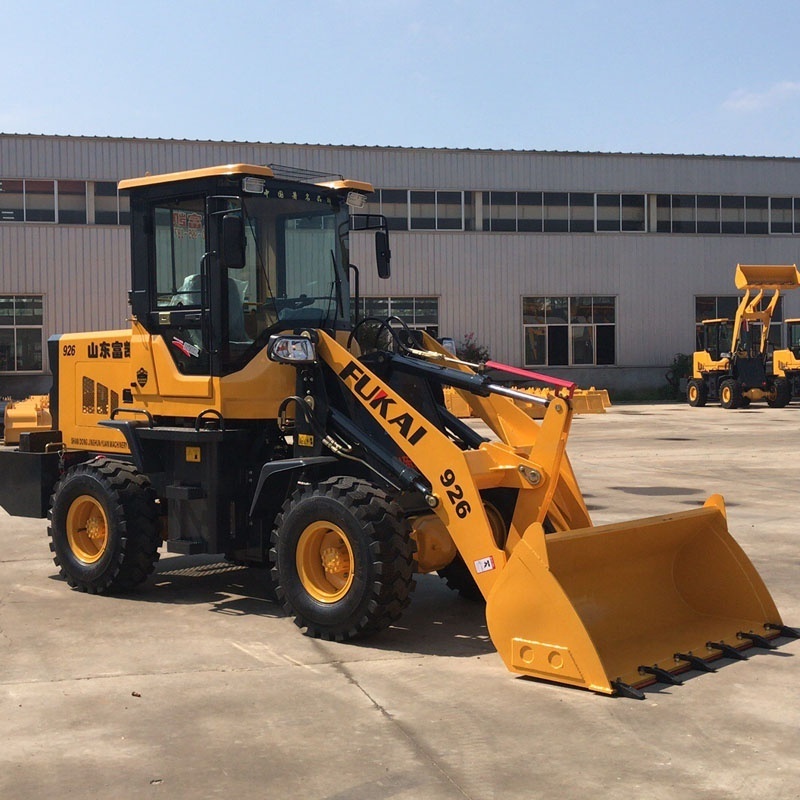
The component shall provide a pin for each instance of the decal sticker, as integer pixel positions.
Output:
(141, 377)
(484, 565)
(105, 349)
(376, 398)
(455, 494)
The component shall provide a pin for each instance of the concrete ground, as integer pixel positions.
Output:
(197, 687)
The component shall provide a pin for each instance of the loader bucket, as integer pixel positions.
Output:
(594, 607)
(766, 276)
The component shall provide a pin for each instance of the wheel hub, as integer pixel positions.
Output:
(325, 561)
(335, 560)
(87, 529)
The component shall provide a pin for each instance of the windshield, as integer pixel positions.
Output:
(297, 260)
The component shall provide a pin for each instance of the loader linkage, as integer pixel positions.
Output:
(611, 608)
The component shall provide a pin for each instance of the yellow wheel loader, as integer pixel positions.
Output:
(734, 365)
(786, 363)
(238, 415)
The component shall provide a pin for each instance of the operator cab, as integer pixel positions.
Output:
(793, 336)
(224, 257)
(717, 337)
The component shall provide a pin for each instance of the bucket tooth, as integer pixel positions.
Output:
(696, 662)
(758, 641)
(626, 690)
(661, 675)
(783, 630)
(727, 650)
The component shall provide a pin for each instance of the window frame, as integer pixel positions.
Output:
(15, 327)
(567, 327)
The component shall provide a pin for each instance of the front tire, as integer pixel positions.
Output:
(781, 395)
(104, 527)
(696, 393)
(730, 393)
(342, 559)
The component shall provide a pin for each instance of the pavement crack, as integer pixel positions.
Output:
(418, 747)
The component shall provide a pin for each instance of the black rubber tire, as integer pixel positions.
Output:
(380, 570)
(783, 394)
(696, 393)
(132, 533)
(730, 393)
(458, 578)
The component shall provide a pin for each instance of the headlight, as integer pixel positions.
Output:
(291, 349)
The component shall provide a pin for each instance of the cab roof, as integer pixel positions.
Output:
(236, 169)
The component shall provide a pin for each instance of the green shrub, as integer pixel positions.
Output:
(470, 349)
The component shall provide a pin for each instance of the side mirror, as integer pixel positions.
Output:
(383, 255)
(232, 242)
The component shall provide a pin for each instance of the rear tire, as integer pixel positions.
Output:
(696, 393)
(783, 394)
(342, 559)
(730, 393)
(104, 527)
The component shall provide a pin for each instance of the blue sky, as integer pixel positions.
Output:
(667, 77)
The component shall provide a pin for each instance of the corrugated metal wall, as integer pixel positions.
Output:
(394, 167)
(480, 278)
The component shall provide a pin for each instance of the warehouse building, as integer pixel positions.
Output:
(591, 266)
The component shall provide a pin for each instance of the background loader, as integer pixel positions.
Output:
(734, 364)
(786, 362)
(239, 415)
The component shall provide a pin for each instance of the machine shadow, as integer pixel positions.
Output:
(437, 622)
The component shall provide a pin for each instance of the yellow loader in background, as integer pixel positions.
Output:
(786, 362)
(238, 415)
(733, 366)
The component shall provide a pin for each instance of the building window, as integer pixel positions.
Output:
(556, 212)
(707, 307)
(110, 208)
(12, 201)
(529, 212)
(780, 217)
(569, 331)
(609, 212)
(424, 210)
(581, 212)
(733, 214)
(634, 212)
(756, 215)
(500, 211)
(709, 217)
(27, 201)
(420, 313)
(437, 210)
(509, 211)
(21, 333)
(72, 202)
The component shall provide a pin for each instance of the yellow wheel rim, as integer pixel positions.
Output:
(325, 562)
(87, 529)
(693, 393)
(726, 394)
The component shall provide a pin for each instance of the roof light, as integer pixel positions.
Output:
(253, 185)
(356, 200)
